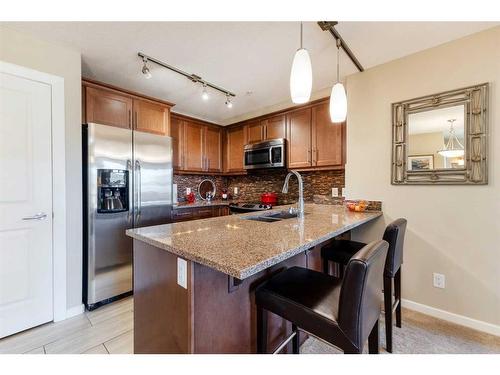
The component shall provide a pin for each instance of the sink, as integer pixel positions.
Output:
(272, 218)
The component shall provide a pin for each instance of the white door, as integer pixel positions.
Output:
(26, 288)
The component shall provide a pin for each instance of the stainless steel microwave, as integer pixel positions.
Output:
(267, 154)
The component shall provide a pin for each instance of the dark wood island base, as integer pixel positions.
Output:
(214, 314)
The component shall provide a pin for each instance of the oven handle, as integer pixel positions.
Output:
(271, 155)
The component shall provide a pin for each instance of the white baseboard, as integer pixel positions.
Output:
(479, 325)
(74, 311)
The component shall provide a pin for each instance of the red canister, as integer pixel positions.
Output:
(269, 198)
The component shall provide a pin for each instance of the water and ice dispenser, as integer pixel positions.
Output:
(112, 190)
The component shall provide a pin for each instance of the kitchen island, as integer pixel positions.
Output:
(194, 281)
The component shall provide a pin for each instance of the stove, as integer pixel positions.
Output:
(237, 208)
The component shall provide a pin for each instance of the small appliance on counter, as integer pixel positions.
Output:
(269, 198)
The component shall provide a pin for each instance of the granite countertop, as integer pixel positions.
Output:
(242, 248)
(213, 203)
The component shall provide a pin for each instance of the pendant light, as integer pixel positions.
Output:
(301, 75)
(338, 98)
(453, 148)
(145, 69)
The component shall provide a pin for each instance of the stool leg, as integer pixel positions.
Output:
(261, 330)
(397, 293)
(373, 340)
(295, 340)
(325, 266)
(388, 312)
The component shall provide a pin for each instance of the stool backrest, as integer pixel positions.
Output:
(361, 294)
(395, 235)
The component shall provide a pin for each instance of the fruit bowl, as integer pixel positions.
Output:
(359, 206)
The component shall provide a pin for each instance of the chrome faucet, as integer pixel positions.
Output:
(300, 203)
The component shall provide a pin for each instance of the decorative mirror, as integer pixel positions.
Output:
(206, 187)
(441, 138)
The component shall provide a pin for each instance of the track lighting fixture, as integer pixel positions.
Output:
(145, 69)
(204, 92)
(192, 77)
(229, 104)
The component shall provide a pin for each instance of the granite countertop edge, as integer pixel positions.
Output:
(252, 270)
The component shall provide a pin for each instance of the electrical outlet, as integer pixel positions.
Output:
(235, 190)
(188, 190)
(344, 192)
(182, 272)
(335, 192)
(438, 280)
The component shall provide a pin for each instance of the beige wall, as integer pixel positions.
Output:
(24, 50)
(454, 230)
(427, 144)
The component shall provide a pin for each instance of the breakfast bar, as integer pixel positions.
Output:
(194, 281)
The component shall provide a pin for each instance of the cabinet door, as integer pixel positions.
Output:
(275, 127)
(108, 108)
(151, 117)
(255, 132)
(213, 149)
(299, 138)
(234, 149)
(193, 146)
(176, 131)
(326, 138)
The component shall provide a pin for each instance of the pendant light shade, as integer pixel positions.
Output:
(453, 148)
(301, 75)
(338, 103)
(338, 97)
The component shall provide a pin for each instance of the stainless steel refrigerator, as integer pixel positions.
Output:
(127, 183)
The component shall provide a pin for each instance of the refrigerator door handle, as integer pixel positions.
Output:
(139, 188)
(130, 172)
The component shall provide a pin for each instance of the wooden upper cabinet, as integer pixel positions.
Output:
(327, 140)
(213, 149)
(274, 127)
(255, 131)
(299, 138)
(192, 148)
(151, 117)
(176, 132)
(235, 141)
(108, 108)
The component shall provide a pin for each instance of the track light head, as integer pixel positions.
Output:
(229, 104)
(145, 69)
(204, 93)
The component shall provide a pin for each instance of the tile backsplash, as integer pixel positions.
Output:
(252, 185)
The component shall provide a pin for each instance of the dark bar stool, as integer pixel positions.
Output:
(340, 251)
(344, 313)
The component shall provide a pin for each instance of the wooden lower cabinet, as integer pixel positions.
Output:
(195, 213)
(212, 315)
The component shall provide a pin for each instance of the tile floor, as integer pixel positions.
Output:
(109, 330)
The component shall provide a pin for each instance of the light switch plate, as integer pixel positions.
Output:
(335, 192)
(438, 280)
(182, 272)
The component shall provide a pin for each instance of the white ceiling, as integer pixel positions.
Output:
(437, 121)
(242, 57)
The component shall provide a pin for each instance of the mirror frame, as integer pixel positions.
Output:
(213, 184)
(475, 170)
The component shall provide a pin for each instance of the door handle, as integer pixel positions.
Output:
(38, 216)
(139, 188)
(129, 169)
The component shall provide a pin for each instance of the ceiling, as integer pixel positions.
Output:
(251, 59)
(437, 121)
